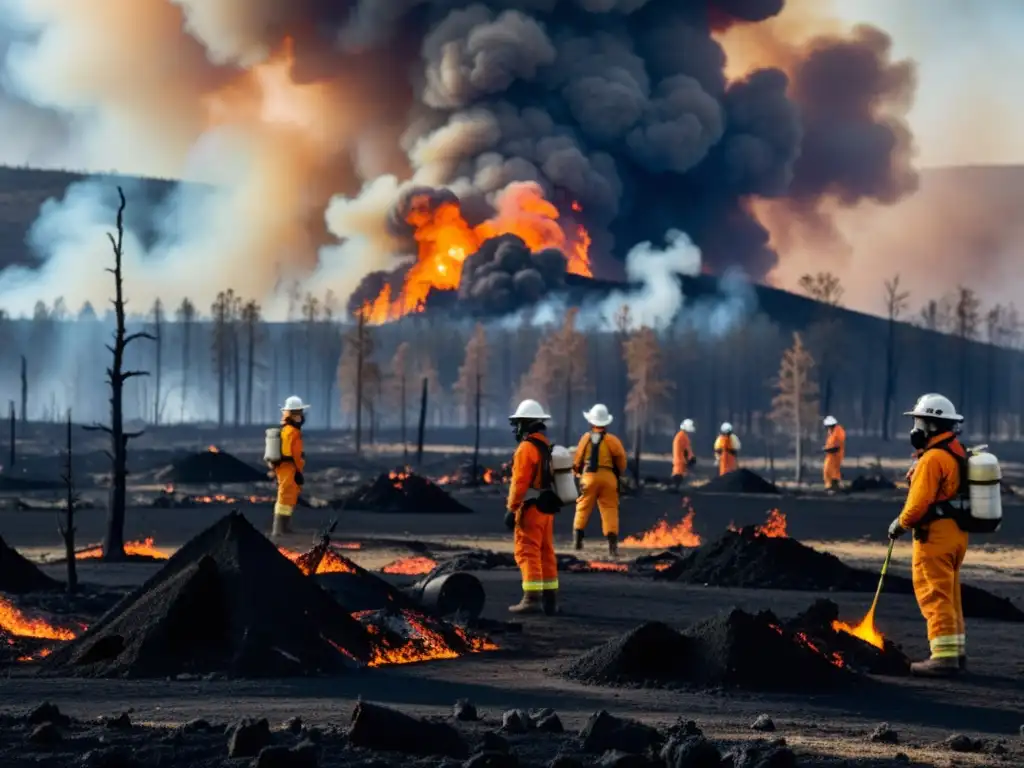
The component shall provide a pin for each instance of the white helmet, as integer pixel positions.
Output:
(598, 415)
(530, 410)
(830, 421)
(294, 403)
(934, 406)
(687, 426)
(726, 428)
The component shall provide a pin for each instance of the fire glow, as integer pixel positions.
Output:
(410, 566)
(142, 548)
(445, 239)
(331, 562)
(774, 526)
(419, 641)
(665, 535)
(865, 630)
(14, 622)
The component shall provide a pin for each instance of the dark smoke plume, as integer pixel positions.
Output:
(504, 276)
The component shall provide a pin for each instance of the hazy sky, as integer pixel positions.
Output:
(970, 103)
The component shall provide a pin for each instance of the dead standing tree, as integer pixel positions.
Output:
(896, 303)
(67, 525)
(398, 379)
(113, 542)
(221, 311)
(648, 391)
(352, 374)
(966, 314)
(795, 405)
(158, 327)
(251, 321)
(186, 315)
(469, 387)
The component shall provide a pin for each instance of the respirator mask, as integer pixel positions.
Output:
(520, 428)
(920, 433)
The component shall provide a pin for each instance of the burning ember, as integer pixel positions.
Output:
(14, 622)
(406, 638)
(213, 449)
(221, 498)
(399, 476)
(665, 535)
(331, 562)
(464, 476)
(774, 526)
(801, 638)
(865, 630)
(411, 566)
(604, 565)
(142, 548)
(445, 239)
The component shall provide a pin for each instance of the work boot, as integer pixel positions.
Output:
(944, 667)
(286, 524)
(531, 603)
(549, 598)
(613, 544)
(577, 540)
(277, 529)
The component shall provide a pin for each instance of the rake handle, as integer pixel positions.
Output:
(881, 577)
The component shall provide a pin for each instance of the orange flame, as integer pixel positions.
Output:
(833, 658)
(445, 239)
(774, 526)
(14, 622)
(222, 498)
(865, 630)
(604, 565)
(411, 566)
(423, 644)
(213, 449)
(665, 535)
(489, 477)
(143, 548)
(331, 562)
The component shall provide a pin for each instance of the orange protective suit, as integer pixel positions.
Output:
(726, 454)
(599, 480)
(939, 547)
(293, 460)
(835, 452)
(682, 452)
(535, 531)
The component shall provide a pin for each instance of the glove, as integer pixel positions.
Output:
(896, 530)
(300, 479)
(692, 462)
(510, 520)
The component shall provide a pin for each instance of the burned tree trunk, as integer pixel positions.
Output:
(360, 331)
(250, 369)
(24, 390)
(476, 436)
(113, 542)
(158, 322)
(13, 437)
(236, 365)
(67, 527)
(423, 424)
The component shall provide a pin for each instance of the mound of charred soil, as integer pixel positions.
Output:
(816, 625)
(734, 649)
(226, 602)
(739, 481)
(871, 482)
(18, 575)
(749, 560)
(211, 467)
(401, 491)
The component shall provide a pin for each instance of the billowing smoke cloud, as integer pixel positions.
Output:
(619, 110)
(505, 275)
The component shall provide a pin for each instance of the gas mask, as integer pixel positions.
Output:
(920, 433)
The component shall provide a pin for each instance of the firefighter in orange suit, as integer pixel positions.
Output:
(534, 535)
(939, 544)
(835, 452)
(727, 449)
(682, 452)
(599, 462)
(288, 470)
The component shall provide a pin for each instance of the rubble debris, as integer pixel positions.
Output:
(139, 551)
(874, 481)
(383, 728)
(547, 721)
(465, 710)
(692, 751)
(401, 491)
(734, 649)
(884, 734)
(212, 466)
(226, 602)
(761, 753)
(959, 742)
(603, 732)
(47, 713)
(515, 721)
(19, 575)
(745, 558)
(763, 723)
(408, 636)
(474, 560)
(305, 754)
(248, 737)
(739, 481)
(45, 733)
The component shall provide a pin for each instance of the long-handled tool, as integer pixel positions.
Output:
(881, 578)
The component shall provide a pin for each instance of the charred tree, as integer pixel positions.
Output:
(993, 325)
(236, 358)
(113, 542)
(966, 317)
(398, 378)
(13, 437)
(329, 351)
(67, 526)
(186, 315)
(24, 390)
(896, 303)
(310, 316)
(251, 319)
(158, 325)
(423, 424)
(221, 311)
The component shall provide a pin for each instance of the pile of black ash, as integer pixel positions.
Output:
(211, 467)
(19, 575)
(401, 491)
(738, 481)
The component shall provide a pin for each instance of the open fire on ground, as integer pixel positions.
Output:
(401, 491)
(170, 498)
